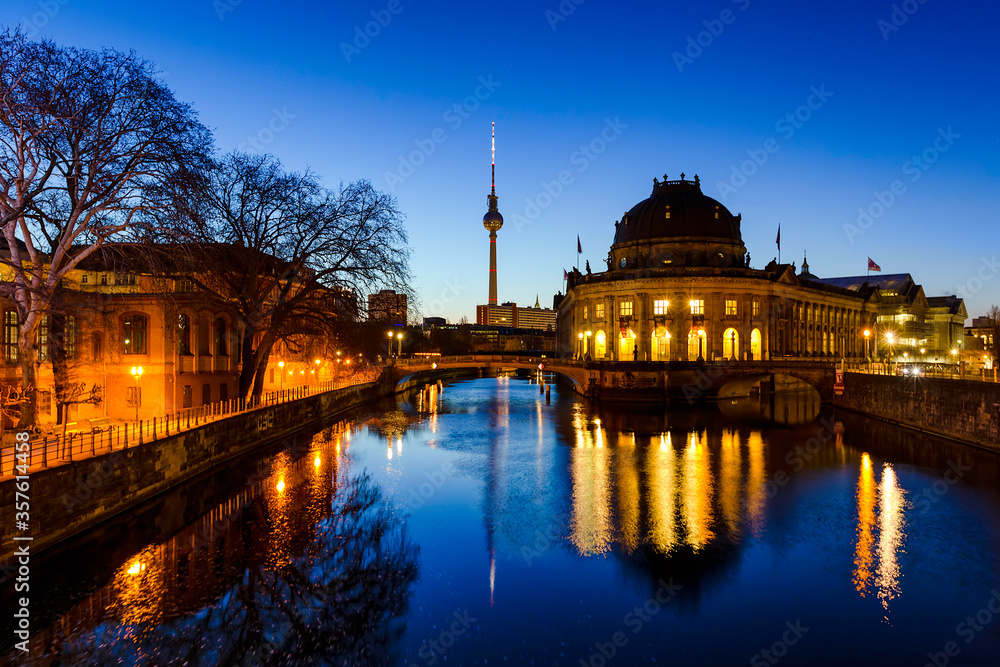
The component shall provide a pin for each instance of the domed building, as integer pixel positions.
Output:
(679, 287)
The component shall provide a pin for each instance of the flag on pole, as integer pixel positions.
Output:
(872, 266)
(579, 248)
(565, 275)
(777, 239)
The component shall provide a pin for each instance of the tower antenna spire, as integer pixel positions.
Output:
(493, 159)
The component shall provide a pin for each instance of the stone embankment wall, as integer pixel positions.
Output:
(966, 410)
(71, 498)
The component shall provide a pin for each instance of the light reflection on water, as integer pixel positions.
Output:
(559, 520)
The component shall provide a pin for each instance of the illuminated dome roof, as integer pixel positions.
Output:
(678, 209)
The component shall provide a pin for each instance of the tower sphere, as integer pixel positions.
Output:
(493, 220)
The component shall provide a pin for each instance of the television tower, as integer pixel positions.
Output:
(493, 220)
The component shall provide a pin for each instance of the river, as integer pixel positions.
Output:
(477, 523)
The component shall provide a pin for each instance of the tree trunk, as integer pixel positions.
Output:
(247, 365)
(60, 369)
(28, 357)
(258, 383)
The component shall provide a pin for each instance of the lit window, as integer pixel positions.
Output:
(730, 307)
(135, 334)
(625, 309)
(43, 338)
(668, 212)
(697, 306)
(599, 311)
(585, 311)
(69, 337)
(10, 332)
(660, 307)
(756, 308)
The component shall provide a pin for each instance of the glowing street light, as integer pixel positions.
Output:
(399, 352)
(389, 333)
(281, 372)
(137, 374)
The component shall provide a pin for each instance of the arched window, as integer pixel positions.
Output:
(626, 345)
(697, 344)
(755, 344)
(660, 344)
(600, 345)
(134, 334)
(221, 342)
(184, 334)
(730, 344)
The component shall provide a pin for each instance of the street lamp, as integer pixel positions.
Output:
(389, 333)
(867, 333)
(137, 374)
(889, 339)
(399, 352)
(281, 372)
(579, 349)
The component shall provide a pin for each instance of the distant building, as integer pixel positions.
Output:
(979, 336)
(913, 320)
(387, 306)
(509, 315)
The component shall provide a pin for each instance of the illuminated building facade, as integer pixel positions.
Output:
(510, 315)
(120, 317)
(679, 287)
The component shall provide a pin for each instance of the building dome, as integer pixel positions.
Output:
(678, 209)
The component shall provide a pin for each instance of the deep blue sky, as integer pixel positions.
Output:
(892, 94)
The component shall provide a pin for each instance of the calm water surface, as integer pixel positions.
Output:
(479, 525)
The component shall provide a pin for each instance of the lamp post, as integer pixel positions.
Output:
(399, 350)
(889, 339)
(868, 359)
(732, 344)
(389, 333)
(281, 372)
(579, 347)
(317, 362)
(137, 374)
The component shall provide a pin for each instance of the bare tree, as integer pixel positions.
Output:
(90, 142)
(291, 256)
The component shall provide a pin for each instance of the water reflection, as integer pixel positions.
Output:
(645, 491)
(301, 567)
(876, 566)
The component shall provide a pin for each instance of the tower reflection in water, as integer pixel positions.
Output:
(876, 565)
(678, 489)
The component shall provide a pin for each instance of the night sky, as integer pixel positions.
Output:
(792, 113)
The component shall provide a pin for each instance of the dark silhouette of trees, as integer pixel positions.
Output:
(290, 256)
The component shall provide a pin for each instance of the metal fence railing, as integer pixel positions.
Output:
(53, 449)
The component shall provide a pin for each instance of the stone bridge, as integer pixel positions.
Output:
(651, 381)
